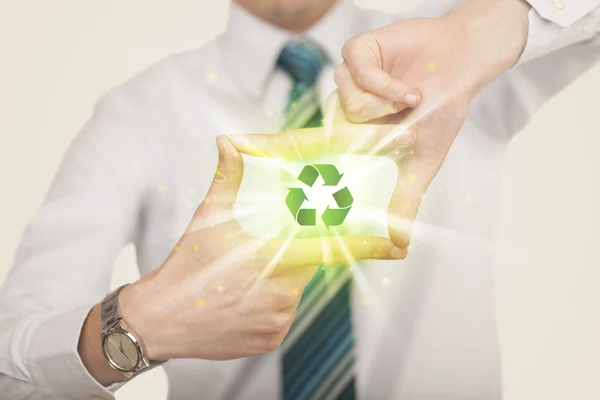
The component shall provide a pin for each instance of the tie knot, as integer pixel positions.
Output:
(302, 61)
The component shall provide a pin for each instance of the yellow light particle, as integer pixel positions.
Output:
(431, 66)
(189, 205)
(412, 178)
(390, 107)
(200, 302)
(366, 301)
(211, 77)
(196, 248)
(296, 290)
(176, 248)
(411, 247)
(162, 189)
(470, 197)
(425, 214)
(443, 151)
(219, 174)
(253, 264)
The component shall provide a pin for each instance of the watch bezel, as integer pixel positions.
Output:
(135, 342)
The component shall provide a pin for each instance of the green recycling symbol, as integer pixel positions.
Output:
(308, 216)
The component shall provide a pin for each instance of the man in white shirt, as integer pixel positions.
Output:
(427, 328)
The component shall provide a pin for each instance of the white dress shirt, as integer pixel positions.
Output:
(145, 159)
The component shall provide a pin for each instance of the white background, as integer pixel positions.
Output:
(57, 57)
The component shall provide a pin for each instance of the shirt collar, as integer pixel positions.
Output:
(250, 47)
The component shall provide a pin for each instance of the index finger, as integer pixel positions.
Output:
(343, 139)
(368, 74)
(329, 250)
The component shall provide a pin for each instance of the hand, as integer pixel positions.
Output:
(412, 154)
(430, 59)
(224, 294)
(444, 62)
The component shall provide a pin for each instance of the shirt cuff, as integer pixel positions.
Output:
(554, 27)
(56, 364)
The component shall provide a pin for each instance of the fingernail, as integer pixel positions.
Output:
(398, 253)
(411, 99)
(404, 138)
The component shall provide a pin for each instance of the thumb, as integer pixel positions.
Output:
(364, 57)
(228, 176)
(403, 208)
(438, 126)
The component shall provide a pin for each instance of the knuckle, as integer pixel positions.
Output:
(354, 108)
(361, 75)
(349, 46)
(284, 300)
(279, 323)
(229, 301)
(202, 210)
(272, 342)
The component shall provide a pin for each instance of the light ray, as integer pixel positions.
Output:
(359, 141)
(263, 222)
(233, 257)
(287, 129)
(360, 279)
(277, 257)
(420, 113)
(431, 231)
(221, 217)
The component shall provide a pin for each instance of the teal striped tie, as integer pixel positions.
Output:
(318, 356)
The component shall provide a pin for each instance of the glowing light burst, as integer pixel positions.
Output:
(361, 281)
(267, 181)
(272, 263)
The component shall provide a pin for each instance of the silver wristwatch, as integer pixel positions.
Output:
(122, 348)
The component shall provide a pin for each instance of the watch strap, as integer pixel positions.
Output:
(112, 320)
(109, 310)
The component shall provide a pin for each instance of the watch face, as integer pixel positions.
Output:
(121, 351)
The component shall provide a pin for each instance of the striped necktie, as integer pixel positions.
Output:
(318, 356)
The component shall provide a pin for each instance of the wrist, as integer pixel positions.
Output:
(138, 310)
(496, 34)
(90, 350)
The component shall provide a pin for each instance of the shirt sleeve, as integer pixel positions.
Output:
(554, 57)
(63, 264)
(557, 24)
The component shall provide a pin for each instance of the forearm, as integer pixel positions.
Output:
(496, 34)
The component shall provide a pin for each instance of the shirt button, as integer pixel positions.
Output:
(560, 4)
